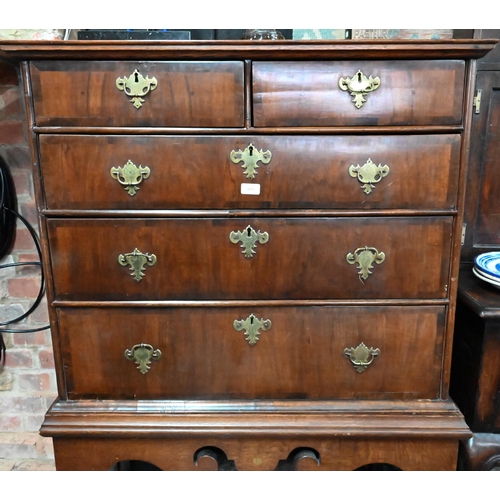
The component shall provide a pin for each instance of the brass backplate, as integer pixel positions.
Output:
(359, 85)
(365, 258)
(136, 86)
(130, 176)
(361, 357)
(250, 156)
(369, 174)
(143, 354)
(137, 262)
(252, 325)
(248, 239)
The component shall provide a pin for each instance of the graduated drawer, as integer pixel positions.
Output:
(309, 93)
(303, 258)
(299, 354)
(187, 94)
(166, 172)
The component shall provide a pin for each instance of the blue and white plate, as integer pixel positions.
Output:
(489, 263)
(484, 278)
(487, 276)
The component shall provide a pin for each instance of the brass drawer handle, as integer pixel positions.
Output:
(369, 174)
(359, 85)
(250, 156)
(137, 262)
(365, 258)
(130, 176)
(143, 355)
(136, 86)
(248, 239)
(361, 357)
(252, 325)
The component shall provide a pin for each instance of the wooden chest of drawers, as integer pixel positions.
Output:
(252, 249)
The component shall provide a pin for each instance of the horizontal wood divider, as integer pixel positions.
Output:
(242, 213)
(415, 129)
(250, 303)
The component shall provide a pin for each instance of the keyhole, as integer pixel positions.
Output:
(248, 231)
(250, 150)
(359, 77)
(251, 320)
(136, 78)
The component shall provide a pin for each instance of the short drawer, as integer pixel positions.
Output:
(300, 352)
(115, 94)
(261, 258)
(89, 172)
(318, 94)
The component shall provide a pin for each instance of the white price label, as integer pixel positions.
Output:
(253, 189)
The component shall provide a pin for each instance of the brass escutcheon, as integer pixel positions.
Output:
(250, 156)
(136, 86)
(248, 239)
(365, 258)
(137, 262)
(361, 357)
(252, 325)
(359, 85)
(143, 354)
(369, 174)
(130, 176)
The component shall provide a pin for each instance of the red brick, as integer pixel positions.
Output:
(6, 380)
(10, 103)
(24, 240)
(34, 422)
(18, 358)
(29, 339)
(12, 132)
(10, 424)
(18, 157)
(23, 406)
(23, 287)
(41, 313)
(44, 447)
(8, 74)
(46, 358)
(28, 257)
(30, 213)
(22, 182)
(34, 382)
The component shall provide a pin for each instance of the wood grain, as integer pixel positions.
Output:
(308, 93)
(188, 94)
(197, 172)
(300, 357)
(303, 259)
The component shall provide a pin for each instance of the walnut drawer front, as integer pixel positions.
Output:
(309, 93)
(204, 259)
(182, 172)
(186, 94)
(305, 353)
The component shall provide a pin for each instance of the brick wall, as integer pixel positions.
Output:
(27, 380)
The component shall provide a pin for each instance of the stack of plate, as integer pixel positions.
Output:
(487, 268)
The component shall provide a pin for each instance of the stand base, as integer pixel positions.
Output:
(334, 436)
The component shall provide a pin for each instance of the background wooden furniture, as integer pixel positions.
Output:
(352, 280)
(475, 380)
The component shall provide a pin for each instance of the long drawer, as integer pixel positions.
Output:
(365, 93)
(260, 258)
(116, 93)
(300, 353)
(179, 172)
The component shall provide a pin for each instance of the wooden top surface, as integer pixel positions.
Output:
(480, 296)
(243, 49)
